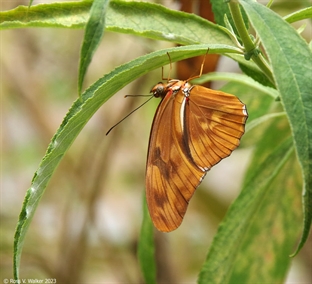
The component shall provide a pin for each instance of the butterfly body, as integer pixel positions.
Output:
(193, 129)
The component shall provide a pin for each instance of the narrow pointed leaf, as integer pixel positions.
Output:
(146, 247)
(93, 34)
(299, 15)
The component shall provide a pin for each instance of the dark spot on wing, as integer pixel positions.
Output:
(159, 200)
(160, 164)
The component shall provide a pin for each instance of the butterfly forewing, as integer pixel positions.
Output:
(171, 176)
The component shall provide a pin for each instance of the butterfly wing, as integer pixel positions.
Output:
(171, 175)
(215, 123)
(192, 131)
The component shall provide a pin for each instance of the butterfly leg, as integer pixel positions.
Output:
(201, 68)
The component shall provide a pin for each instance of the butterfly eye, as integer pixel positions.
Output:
(158, 90)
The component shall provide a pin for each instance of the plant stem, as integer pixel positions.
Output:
(249, 45)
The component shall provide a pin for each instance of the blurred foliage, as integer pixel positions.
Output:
(87, 225)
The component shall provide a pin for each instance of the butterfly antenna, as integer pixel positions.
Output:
(126, 96)
(130, 112)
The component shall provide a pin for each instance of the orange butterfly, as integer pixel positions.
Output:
(194, 128)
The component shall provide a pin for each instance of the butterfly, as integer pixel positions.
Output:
(193, 129)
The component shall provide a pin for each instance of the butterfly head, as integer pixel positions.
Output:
(159, 90)
(171, 87)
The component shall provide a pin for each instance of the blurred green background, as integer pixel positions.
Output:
(87, 225)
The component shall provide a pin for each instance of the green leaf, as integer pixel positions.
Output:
(242, 238)
(266, 246)
(92, 37)
(272, 259)
(256, 74)
(299, 15)
(262, 119)
(139, 18)
(240, 78)
(54, 15)
(80, 113)
(292, 71)
(157, 22)
(146, 247)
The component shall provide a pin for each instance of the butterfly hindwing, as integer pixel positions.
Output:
(215, 123)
